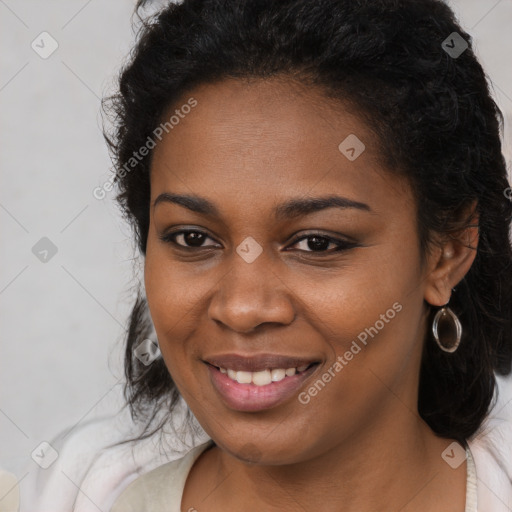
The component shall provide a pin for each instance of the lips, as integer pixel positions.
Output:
(258, 363)
(250, 395)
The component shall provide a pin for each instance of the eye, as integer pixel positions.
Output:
(316, 242)
(187, 239)
(312, 242)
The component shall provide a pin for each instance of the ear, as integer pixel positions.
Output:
(451, 259)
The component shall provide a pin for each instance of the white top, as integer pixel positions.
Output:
(161, 490)
(90, 473)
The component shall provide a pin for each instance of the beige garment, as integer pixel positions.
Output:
(161, 489)
(9, 492)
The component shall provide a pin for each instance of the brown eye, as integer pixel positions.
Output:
(187, 239)
(321, 244)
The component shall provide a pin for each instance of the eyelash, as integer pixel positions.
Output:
(342, 245)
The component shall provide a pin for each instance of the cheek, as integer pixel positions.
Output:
(371, 315)
(176, 299)
(365, 293)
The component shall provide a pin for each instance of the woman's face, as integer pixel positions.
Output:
(304, 254)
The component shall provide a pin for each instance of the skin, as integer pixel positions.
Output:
(359, 444)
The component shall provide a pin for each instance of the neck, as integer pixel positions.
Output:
(391, 465)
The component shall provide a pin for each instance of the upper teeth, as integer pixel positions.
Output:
(263, 377)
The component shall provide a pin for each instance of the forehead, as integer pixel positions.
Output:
(261, 137)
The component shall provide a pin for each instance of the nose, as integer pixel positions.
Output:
(251, 294)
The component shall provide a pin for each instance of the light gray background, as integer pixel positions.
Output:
(62, 321)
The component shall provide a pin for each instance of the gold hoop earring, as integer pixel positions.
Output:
(445, 314)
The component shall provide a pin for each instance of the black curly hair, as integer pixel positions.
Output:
(435, 121)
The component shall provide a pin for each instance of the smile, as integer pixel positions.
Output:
(264, 377)
(258, 383)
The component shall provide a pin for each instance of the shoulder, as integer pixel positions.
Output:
(491, 447)
(160, 487)
(74, 450)
(95, 462)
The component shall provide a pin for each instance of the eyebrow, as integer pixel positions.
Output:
(291, 208)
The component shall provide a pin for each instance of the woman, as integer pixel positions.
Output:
(327, 262)
(319, 194)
